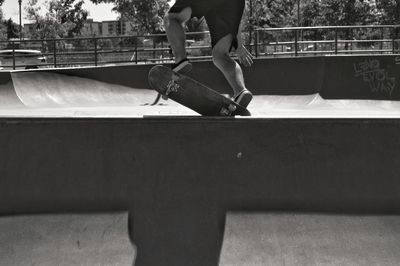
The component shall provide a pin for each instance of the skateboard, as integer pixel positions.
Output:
(192, 93)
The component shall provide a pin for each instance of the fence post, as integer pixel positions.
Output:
(95, 50)
(162, 51)
(315, 49)
(393, 39)
(55, 53)
(13, 54)
(136, 51)
(250, 38)
(257, 41)
(296, 42)
(154, 47)
(336, 41)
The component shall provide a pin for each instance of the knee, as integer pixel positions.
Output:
(179, 18)
(167, 20)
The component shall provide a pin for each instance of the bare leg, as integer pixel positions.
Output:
(175, 32)
(229, 67)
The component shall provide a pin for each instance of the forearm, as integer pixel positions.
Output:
(239, 35)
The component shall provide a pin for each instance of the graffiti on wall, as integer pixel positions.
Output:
(375, 76)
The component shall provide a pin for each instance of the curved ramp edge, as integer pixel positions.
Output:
(8, 96)
(47, 89)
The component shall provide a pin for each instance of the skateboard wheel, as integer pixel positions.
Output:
(232, 108)
(225, 112)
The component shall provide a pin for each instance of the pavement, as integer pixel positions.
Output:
(65, 240)
(259, 239)
(251, 239)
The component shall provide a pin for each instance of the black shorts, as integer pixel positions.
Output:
(223, 16)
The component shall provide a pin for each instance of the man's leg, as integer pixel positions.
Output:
(175, 32)
(229, 67)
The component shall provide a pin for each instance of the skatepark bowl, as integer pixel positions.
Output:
(93, 173)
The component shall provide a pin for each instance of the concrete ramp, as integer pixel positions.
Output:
(307, 239)
(79, 239)
(47, 89)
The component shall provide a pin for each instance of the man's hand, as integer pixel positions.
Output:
(245, 57)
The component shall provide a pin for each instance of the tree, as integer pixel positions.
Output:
(3, 28)
(269, 13)
(350, 12)
(62, 19)
(389, 11)
(312, 13)
(12, 29)
(146, 16)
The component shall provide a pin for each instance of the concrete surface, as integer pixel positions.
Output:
(309, 106)
(310, 239)
(65, 240)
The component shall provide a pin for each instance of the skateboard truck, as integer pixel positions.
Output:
(172, 86)
(227, 111)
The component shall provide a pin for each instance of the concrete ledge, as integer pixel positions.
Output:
(178, 177)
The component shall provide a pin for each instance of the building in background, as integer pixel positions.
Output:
(92, 28)
(116, 28)
(28, 29)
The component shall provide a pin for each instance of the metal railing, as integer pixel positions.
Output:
(303, 41)
(154, 48)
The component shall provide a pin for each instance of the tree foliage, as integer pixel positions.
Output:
(12, 29)
(3, 28)
(145, 16)
(283, 13)
(63, 18)
(388, 11)
(8, 29)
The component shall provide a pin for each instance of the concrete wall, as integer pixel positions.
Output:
(286, 76)
(362, 77)
(179, 176)
(334, 77)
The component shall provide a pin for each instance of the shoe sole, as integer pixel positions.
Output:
(244, 99)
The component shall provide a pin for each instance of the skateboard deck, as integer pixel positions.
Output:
(192, 93)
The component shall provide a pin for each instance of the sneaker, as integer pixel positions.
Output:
(244, 98)
(182, 67)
